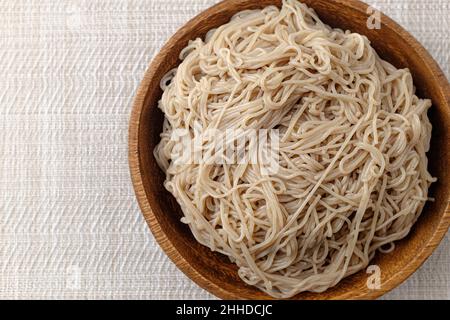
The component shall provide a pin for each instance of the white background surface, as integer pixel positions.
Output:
(70, 226)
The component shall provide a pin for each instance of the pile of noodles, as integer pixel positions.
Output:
(352, 175)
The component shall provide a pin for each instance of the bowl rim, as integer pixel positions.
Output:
(166, 244)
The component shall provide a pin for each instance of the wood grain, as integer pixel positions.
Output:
(213, 271)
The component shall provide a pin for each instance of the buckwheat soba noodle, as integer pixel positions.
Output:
(352, 170)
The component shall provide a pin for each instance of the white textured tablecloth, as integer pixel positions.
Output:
(70, 226)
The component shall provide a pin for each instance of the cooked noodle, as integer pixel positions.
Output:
(353, 136)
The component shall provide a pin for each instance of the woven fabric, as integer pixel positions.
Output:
(70, 226)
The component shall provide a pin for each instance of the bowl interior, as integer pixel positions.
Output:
(213, 271)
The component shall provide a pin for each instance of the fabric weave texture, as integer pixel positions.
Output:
(70, 226)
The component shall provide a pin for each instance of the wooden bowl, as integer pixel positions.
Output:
(214, 272)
